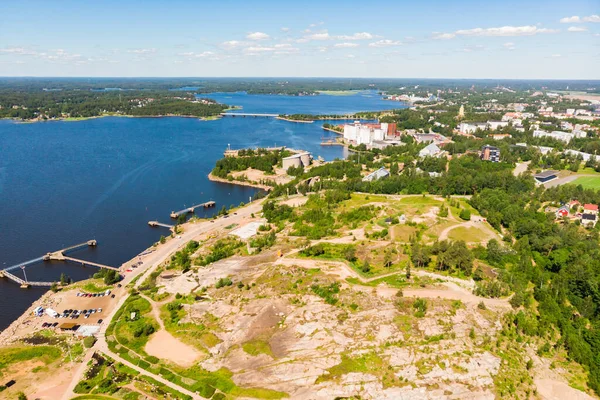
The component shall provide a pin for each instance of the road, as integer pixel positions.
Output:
(152, 261)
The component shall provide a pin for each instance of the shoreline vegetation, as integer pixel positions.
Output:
(79, 119)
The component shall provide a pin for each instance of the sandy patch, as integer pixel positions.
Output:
(163, 345)
(550, 389)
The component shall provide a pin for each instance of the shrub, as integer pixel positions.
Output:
(420, 305)
(89, 341)
(223, 282)
(465, 214)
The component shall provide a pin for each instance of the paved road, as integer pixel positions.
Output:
(150, 263)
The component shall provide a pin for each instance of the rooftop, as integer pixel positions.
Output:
(546, 174)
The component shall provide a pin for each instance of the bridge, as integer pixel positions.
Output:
(156, 224)
(190, 210)
(59, 255)
(249, 115)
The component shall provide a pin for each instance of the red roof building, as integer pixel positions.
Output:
(591, 207)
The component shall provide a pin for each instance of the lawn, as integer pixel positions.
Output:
(468, 234)
(588, 182)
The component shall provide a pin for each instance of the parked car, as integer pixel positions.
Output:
(100, 321)
(112, 296)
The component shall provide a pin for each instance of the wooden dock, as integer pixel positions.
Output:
(192, 209)
(156, 224)
(59, 255)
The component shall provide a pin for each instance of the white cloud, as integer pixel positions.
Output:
(576, 19)
(357, 36)
(230, 44)
(570, 20)
(345, 45)
(477, 47)
(577, 29)
(323, 35)
(282, 48)
(18, 51)
(142, 51)
(257, 36)
(556, 56)
(443, 36)
(526, 30)
(192, 54)
(592, 18)
(350, 56)
(322, 49)
(285, 29)
(509, 46)
(385, 43)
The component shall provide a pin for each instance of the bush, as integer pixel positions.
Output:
(420, 305)
(89, 341)
(223, 282)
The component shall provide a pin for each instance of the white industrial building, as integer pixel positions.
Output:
(364, 134)
(560, 135)
(296, 160)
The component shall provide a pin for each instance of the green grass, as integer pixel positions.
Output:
(468, 234)
(92, 287)
(94, 397)
(14, 355)
(588, 182)
(257, 346)
(370, 363)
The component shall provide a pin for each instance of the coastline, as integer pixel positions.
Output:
(213, 178)
(294, 120)
(79, 119)
(332, 130)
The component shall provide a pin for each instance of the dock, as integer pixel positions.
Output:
(192, 209)
(59, 255)
(156, 224)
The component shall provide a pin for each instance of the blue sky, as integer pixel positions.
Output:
(417, 39)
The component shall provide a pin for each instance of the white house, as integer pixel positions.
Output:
(431, 150)
(558, 135)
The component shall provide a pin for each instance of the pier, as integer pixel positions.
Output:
(249, 115)
(60, 255)
(190, 210)
(156, 224)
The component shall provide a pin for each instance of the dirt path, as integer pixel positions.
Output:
(456, 289)
(152, 261)
(520, 168)
(469, 224)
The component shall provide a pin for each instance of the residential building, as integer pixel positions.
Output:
(558, 135)
(376, 175)
(500, 136)
(431, 150)
(493, 125)
(584, 156)
(590, 215)
(490, 153)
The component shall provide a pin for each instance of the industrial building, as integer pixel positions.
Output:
(376, 175)
(296, 160)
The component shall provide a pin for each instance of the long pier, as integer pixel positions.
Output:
(156, 224)
(59, 255)
(190, 210)
(249, 115)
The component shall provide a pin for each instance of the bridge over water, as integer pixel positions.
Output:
(60, 255)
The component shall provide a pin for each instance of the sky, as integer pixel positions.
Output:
(544, 39)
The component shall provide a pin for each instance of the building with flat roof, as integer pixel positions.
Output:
(546, 176)
(296, 160)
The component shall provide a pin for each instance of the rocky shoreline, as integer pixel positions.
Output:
(213, 178)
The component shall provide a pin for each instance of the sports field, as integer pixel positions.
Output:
(588, 182)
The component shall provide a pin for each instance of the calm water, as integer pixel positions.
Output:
(63, 183)
(367, 100)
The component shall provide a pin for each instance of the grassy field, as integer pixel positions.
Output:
(588, 182)
(468, 234)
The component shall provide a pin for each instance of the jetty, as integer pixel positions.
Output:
(255, 115)
(156, 224)
(191, 210)
(59, 255)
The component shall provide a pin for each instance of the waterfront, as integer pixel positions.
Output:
(63, 183)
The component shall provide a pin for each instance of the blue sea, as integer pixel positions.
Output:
(63, 183)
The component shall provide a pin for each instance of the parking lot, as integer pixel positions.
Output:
(81, 308)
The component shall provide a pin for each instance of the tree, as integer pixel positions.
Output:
(494, 251)
(54, 287)
(89, 341)
(350, 253)
(408, 273)
(420, 255)
(65, 279)
(387, 259)
(443, 212)
(111, 276)
(465, 214)
(162, 239)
